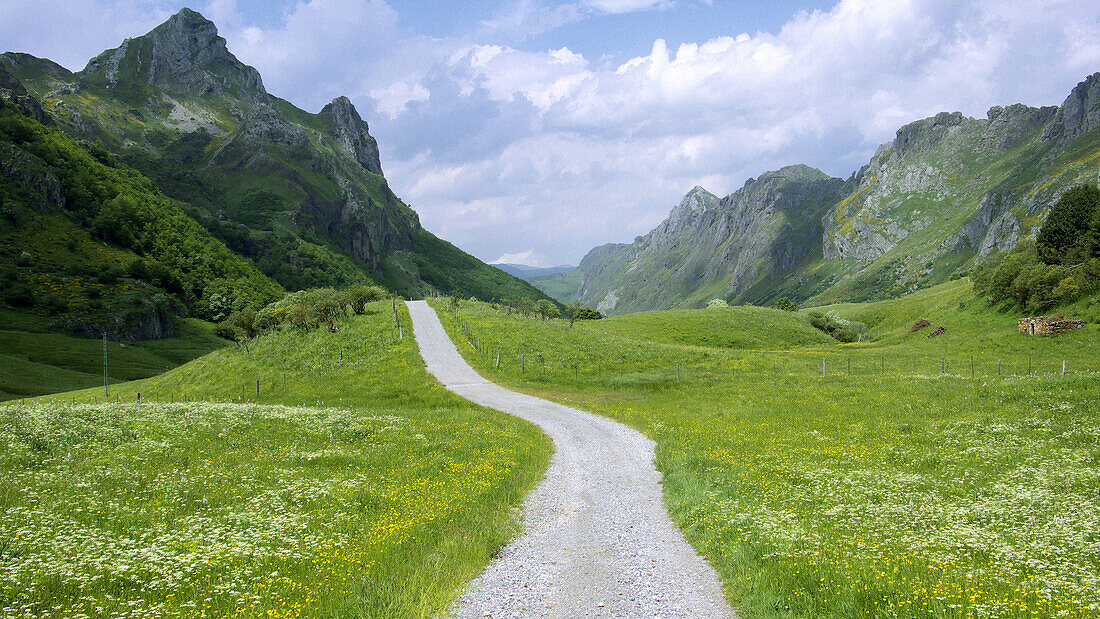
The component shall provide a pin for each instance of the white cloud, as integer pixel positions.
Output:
(825, 90)
(499, 147)
(530, 258)
(71, 33)
(395, 98)
(627, 6)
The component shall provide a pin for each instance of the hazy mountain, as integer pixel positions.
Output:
(528, 272)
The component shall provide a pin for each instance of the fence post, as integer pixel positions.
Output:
(521, 367)
(677, 372)
(943, 365)
(1063, 367)
(258, 380)
(498, 361)
(998, 367)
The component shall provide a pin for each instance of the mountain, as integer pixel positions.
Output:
(527, 272)
(939, 198)
(715, 247)
(96, 246)
(301, 195)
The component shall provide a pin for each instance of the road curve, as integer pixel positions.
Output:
(597, 541)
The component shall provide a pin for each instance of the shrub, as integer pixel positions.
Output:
(840, 329)
(717, 303)
(786, 304)
(546, 309)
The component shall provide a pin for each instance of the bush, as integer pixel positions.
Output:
(1021, 281)
(717, 303)
(587, 313)
(839, 329)
(358, 296)
(786, 304)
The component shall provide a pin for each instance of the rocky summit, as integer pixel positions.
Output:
(944, 194)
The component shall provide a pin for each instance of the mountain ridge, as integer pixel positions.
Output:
(946, 192)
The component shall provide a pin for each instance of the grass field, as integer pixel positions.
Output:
(36, 360)
(353, 485)
(910, 480)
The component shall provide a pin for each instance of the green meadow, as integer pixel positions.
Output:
(35, 359)
(953, 476)
(353, 484)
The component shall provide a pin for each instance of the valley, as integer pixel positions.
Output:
(224, 391)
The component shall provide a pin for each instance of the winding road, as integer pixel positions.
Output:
(597, 541)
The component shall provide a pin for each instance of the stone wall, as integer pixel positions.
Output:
(1049, 325)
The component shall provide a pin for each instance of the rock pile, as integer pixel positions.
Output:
(940, 330)
(918, 325)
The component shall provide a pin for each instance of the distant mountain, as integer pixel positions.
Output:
(300, 195)
(528, 273)
(944, 194)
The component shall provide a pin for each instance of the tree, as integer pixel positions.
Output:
(785, 304)
(525, 306)
(572, 310)
(546, 309)
(1066, 234)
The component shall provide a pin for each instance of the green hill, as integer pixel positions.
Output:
(352, 484)
(96, 246)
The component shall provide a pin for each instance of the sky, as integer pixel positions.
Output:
(530, 131)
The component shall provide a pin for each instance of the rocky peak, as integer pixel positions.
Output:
(352, 133)
(1009, 125)
(697, 201)
(1079, 113)
(184, 53)
(923, 134)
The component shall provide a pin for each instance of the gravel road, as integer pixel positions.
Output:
(597, 541)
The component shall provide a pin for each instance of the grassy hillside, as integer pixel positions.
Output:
(562, 287)
(95, 245)
(352, 485)
(37, 360)
(952, 476)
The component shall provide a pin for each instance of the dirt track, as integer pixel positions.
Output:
(597, 541)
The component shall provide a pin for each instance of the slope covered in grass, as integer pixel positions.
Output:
(352, 485)
(743, 327)
(37, 360)
(952, 476)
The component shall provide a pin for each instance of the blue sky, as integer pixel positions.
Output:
(531, 130)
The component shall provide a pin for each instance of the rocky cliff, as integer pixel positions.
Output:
(715, 247)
